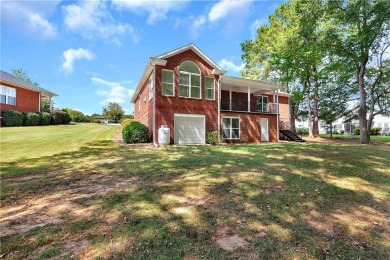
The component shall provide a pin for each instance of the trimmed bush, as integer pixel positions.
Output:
(357, 131)
(302, 131)
(212, 137)
(335, 132)
(44, 118)
(12, 117)
(59, 117)
(127, 122)
(96, 121)
(135, 132)
(30, 119)
(375, 130)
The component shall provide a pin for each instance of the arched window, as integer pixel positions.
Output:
(189, 80)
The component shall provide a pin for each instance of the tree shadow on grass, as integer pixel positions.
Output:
(286, 201)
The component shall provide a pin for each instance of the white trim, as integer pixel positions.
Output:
(197, 51)
(205, 88)
(173, 84)
(239, 127)
(277, 114)
(189, 82)
(154, 107)
(261, 129)
(263, 96)
(193, 116)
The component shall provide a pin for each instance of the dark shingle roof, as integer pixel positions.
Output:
(17, 82)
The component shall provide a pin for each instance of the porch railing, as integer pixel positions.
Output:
(242, 106)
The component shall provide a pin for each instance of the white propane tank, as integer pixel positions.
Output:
(163, 135)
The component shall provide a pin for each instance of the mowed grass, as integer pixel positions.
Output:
(374, 138)
(272, 201)
(33, 142)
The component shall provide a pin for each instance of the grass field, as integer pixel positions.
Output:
(374, 138)
(272, 201)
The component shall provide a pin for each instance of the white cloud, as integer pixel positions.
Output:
(71, 55)
(228, 65)
(112, 91)
(30, 17)
(157, 10)
(256, 25)
(93, 19)
(196, 26)
(225, 8)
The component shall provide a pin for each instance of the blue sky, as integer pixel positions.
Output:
(93, 52)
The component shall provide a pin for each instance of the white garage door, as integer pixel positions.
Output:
(189, 129)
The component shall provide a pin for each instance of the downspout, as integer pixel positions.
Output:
(277, 115)
(219, 108)
(154, 105)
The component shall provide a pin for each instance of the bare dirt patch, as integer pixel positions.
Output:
(228, 240)
(52, 207)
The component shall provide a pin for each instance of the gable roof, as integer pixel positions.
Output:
(195, 49)
(17, 82)
(161, 60)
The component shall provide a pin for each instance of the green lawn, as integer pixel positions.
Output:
(272, 201)
(374, 138)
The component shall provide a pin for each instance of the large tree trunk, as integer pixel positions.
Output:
(364, 134)
(316, 131)
(309, 116)
(331, 130)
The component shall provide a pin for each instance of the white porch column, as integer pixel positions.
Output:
(249, 99)
(230, 99)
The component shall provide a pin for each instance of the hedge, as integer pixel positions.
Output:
(127, 122)
(30, 119)
(44, 118)
(12, 117)
(59, 117)
(135, 132)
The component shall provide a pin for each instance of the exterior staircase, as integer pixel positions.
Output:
(291, 136)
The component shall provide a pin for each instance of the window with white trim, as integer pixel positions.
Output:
(210, 88)
(168, 83)
(8, 96)
(262, 103)
(189, 80)
(231, 128)
(151, 87)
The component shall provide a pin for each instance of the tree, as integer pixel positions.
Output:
(46, 103)
(113, 111)
(358, 27)
(76, 115)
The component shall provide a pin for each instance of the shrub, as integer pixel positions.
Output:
(12, 117)
(357, 131)
(302, 131)
(127, 122)
(44, 118)
(96, 121)
(212, 137)
(335, 132)
(86, 119)
(375, 130)
(59, 117)
(342, 132)
(30, 119)
(135, 132)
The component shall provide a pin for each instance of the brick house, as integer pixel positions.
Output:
(19, 95)
(189, 93)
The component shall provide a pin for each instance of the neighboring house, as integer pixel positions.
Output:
(348, 126)
(101, 118)
(188, 92)
(17, 94)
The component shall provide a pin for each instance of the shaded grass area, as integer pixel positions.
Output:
(290, 200)
(374, 138)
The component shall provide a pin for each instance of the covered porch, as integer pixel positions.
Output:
(250, 96)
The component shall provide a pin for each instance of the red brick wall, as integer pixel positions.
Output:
(145, 114)
(166, 107)
(250, 126)
(26, 100)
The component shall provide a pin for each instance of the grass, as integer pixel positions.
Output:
(381, 138)
(286, 200)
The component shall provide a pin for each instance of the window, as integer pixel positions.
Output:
(210, 85)
(262, 103)
(151, 87)
(189, 80)
(231, 128)
(167, 83)
(8, 96)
